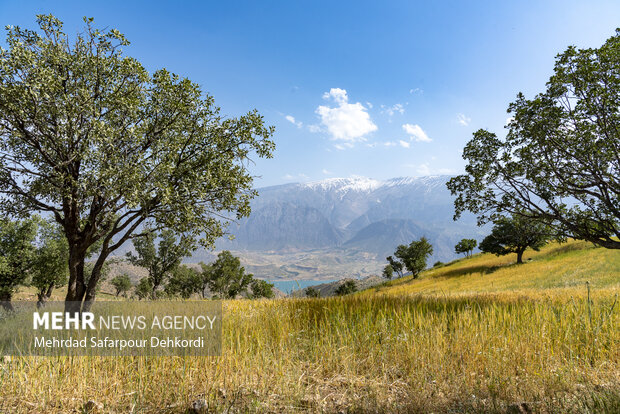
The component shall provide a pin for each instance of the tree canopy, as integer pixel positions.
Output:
(160, 261)
(560, 161)
(227, 278)
(414, 256)
(90, 137)
(17, 251)
(466, 246)
(514, 235)
(50, 263)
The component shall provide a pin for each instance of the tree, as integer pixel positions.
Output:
(261, 289)
(162, 261)
(121, 283)
(396, 265)
(17, 249)
(466, 246)
(346, 288)
(144, 289)
(49, 268)
(388, 271)
(105, 147)
(414, 256)
(514, 235)
(228, 278)
(560, 161)
(312, 292)
(184, 282)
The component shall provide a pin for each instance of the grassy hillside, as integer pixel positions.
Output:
(478, 335)
(558, 270)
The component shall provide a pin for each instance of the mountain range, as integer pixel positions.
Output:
(344, 227)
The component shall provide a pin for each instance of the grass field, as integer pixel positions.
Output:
(477, 335)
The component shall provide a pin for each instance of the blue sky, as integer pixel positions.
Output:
(374, 89)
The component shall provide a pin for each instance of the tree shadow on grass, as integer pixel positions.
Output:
(470, 270)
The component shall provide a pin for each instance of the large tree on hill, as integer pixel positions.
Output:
(560, 161)
(514, 235)
(90, 137)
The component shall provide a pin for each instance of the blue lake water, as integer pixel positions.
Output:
(287, 286)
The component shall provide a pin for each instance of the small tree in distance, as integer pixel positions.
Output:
(227, 277)
(121, 283)
(466, 246)
(17, 250)
(144, 289)
(162, 261)
(184, 282)
(346, 288)
(396, 265)
(50, 269)
(312, 292)
(261, 289)
(414, 256)
(388, 271)
(514, 235)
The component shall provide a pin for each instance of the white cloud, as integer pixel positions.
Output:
(404, 144)
(416, 132)
(346, 122)
(314, 128)
(391, 110)
(416, 91)
(292, 120)
(389, 144)
(463, 119)
(327, 172)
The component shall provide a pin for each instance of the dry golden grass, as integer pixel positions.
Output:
(459, 339)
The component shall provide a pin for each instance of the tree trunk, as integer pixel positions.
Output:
(5, 301)
(91, 289)
(44, 295)
(76, 288)
(520, 256)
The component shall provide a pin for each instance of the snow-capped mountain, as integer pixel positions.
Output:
(360, 214)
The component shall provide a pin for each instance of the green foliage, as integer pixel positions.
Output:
(162, 261)
(312, 292)
(90, 136)
(262, 289)
(388, 271)
(50, 265)
(17, 250)
(346, 288)
(227, 277)
(413, 257)
(396, 265)
(438, 264)
(144, 289)
(466, 246)
(184, 282)
(514, 235)
(122, 284)
(559, 162)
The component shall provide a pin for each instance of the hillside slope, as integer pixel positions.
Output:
(558, 269)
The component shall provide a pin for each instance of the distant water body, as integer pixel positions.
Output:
(287, 286)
